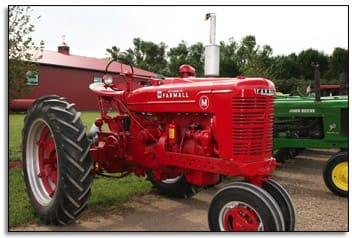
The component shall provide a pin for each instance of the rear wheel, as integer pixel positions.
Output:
(57, 166)
(284, 201)
(174, 187)
(242, 206)
(335, 174)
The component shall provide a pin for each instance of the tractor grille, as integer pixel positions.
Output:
(252, 126)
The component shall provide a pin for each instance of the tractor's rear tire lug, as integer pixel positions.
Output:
(50, 159)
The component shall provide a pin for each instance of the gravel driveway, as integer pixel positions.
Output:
(317, 209)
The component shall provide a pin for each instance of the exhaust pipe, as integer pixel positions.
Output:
(212, 51)
(317, 81)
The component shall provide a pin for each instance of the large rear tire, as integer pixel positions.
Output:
(57, 166)
(335, 174)
(242, 206)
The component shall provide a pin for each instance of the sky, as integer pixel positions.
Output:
(89, 30)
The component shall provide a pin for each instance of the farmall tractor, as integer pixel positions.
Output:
(314, 122)
(183, 133)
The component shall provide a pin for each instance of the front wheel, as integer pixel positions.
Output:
(241, 206)
(335, 174)
(284, 201)
(57, 166)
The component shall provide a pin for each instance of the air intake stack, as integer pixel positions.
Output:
(212, 51)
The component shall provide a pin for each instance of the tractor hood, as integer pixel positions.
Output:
(195, 94)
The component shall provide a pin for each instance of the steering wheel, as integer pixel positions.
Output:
(108, 78)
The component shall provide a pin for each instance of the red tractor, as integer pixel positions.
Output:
(182, 133)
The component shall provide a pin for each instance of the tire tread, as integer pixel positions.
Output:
(74, 161)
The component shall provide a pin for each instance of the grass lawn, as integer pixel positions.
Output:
(105, 192)
(15, 135)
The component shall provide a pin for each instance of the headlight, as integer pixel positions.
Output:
(108, 79)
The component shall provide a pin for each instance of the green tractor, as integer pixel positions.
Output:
(314, 122)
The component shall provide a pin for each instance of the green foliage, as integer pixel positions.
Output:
(177, 57)
(147, 55)
(113, 53)
(291, 73)
(247, 50)
(286, 67)
(292, 86)
(305, 60)
(183, 54)
(246, 58)
(229, 59)
(338, 63)
(21, 50)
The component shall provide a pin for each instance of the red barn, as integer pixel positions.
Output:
(69, 76)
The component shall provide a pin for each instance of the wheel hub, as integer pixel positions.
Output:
(239, 216)
(47, 161)
(340, 176)
(41, 162)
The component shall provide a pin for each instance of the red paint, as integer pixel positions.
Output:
(66, 82)
(329, 87)
(165, 128)
(82, 62)
(186, 70)
(47, 161)
(241, 219)
(69, 76)
(19, 105)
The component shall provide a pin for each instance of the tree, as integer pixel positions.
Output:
(305, 59)
(196, 57)
(177, 56)
(229, 59)
(291, 73)
(113, 53)
(285, 67)
(338, 63)
(147, 55)
(182, 54)
(255, 60)
(22, 50)
(247, 49)
(286, 73)
(259, 63)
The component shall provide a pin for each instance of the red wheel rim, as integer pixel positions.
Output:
(239, 216)
(240, 219)
(47, 161)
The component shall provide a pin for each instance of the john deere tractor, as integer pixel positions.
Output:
(314, 122)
